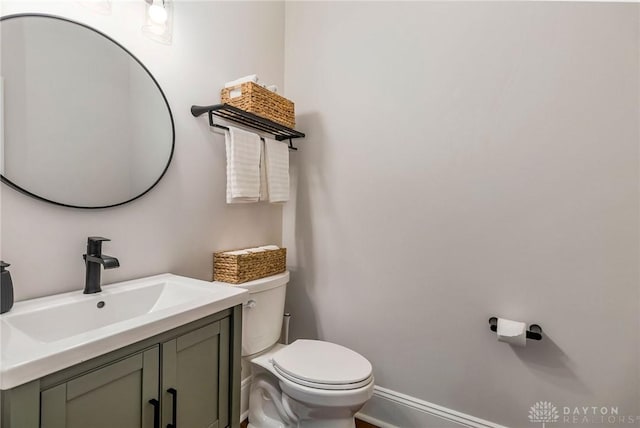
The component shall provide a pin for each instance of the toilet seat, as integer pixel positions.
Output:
(322, 365)
(326, 386)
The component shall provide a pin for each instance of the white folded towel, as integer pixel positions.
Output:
(270, 247)
(277, 169)
(243, 166)
(250, 78)
(255, 250)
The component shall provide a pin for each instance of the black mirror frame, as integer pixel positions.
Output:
(14, 186)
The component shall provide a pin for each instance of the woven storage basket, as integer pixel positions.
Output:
(261, 102)
(240, 268)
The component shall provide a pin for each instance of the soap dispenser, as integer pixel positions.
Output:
(6, 288)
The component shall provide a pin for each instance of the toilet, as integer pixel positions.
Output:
(309, 383)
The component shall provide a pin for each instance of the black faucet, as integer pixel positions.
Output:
(93, 259)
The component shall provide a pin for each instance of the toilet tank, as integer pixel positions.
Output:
(262, 315)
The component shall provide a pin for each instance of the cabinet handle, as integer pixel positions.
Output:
(174, 393)
(156, 412)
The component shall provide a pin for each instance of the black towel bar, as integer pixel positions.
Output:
(215, 125)
(228, 112)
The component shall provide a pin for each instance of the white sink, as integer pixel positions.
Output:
(42, 336)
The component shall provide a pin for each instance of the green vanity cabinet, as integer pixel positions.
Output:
(192, 366)
(117, 395)
(188, 377)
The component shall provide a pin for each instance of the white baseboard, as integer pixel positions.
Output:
(391, 409)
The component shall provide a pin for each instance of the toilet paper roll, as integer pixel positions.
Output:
(512, 332)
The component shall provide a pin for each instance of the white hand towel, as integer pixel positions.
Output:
(255, 250)
(264, 191)
(243, 166)
(277, 162)
(250, 78)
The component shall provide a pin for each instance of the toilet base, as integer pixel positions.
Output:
(316, 418)
(319, 424)
(270, 407)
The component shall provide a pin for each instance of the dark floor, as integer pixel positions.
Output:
(363, 424)
(359, 424)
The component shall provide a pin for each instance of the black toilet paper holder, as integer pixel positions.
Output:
(534, 332)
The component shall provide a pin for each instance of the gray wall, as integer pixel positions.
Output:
(465, 160)
(176, 227)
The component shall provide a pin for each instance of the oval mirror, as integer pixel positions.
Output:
(85, 124)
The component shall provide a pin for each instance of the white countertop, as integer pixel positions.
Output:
(44, 335)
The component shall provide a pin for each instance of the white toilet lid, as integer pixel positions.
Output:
(322, 365)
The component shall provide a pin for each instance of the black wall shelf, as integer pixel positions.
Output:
(225, 111)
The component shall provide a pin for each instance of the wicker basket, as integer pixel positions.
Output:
(261, 102)
(240, 268)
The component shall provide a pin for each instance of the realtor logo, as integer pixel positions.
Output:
(543, 412)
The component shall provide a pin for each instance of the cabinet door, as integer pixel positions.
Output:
(195, 378)
(117, 395)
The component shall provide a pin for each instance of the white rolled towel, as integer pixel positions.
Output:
(250, 78)
(270, 247)
(236, 252)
